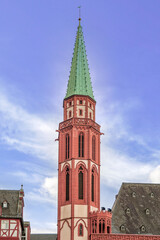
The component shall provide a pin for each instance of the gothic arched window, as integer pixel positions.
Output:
(81, 145)
(93, 148)
(67, 184)
(80, 230)
(67, 146)
(80, 183)
(92, 186)
(101, 226)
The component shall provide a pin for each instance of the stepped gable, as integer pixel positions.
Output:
(136, 209)
(12, 199)
(43, 236)
(79, 80)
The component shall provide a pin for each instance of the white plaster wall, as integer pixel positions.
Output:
(84, 161)
(80, 211)
(5, 224)
(92, 209)
(83, 111)
(68, 110)
(85, 232)
(65, 233)
(66, 211)
(12, 226)
(14, 234)
(61, 222)
(94, 165)
(68, 162)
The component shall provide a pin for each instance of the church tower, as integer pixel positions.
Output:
(79, 151)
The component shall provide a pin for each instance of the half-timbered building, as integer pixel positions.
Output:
(12, 225)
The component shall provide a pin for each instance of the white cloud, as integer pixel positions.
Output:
(118, 165)
(50, 186)
(155, 175)
(27, 132)
(45, 190)
(49, 227)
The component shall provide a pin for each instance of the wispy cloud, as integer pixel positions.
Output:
(119, 163)
(27, 132)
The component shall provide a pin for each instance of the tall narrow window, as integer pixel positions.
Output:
(80, 230)
(103, 226)
(93, 148)
(100, 229)
(81, 145)
(92, 186)
(108, 229)
(80, 112)
(80, 183)
(67, 184)
(67, 146)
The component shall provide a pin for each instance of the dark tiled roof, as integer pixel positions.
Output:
(137, 209)
(14, 205)
(43, 236)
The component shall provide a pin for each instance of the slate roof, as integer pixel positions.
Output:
(79, 80)
(136, 209)
(14, 205)
(43, 236)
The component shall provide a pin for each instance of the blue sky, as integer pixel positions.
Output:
(36, 45)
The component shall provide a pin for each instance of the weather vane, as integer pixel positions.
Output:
(79, 14)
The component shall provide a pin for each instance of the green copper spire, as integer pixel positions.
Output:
(79, 80)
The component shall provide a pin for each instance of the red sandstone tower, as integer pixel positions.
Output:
(79, 151)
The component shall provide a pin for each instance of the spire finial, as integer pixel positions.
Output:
(79, 14)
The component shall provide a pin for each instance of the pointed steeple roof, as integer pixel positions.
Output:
(79, 80)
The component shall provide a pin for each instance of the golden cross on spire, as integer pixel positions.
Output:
(79, 14)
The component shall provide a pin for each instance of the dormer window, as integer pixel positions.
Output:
(142, 228)
(122, 228)
(5, 204)
(134, 194)
(128, 211)
(152, 195)
(147, 211)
